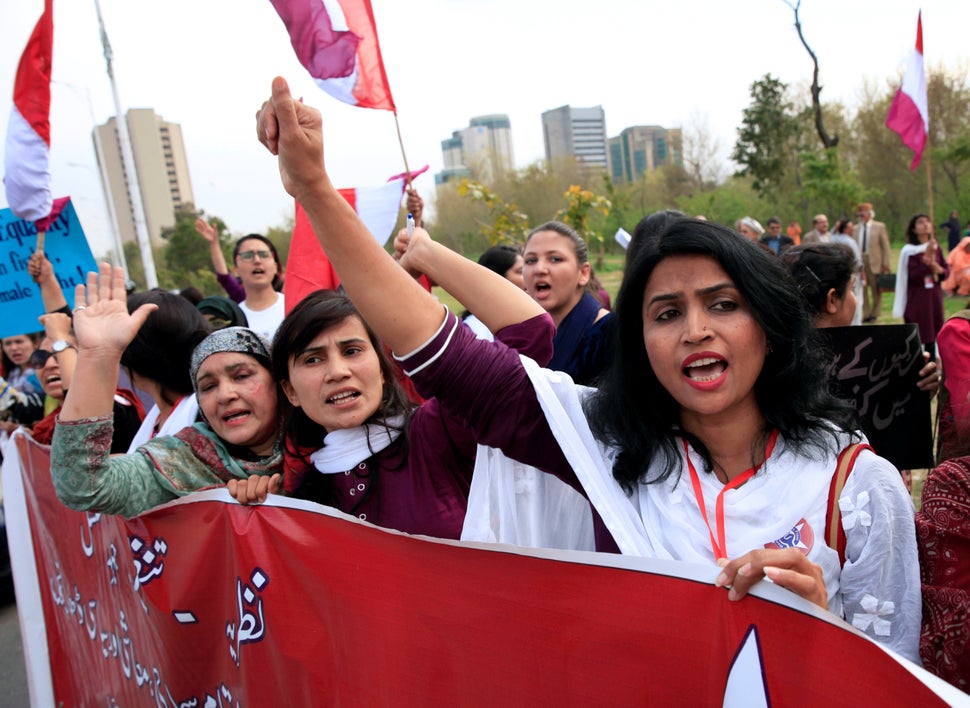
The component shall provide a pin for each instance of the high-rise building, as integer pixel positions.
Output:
(579, 133)
(642, 148)
(162, 170)
(484, 149)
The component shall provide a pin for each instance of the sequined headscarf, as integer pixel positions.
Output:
(230, 339)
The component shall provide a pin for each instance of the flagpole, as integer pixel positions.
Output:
(128, 161)
(929, 183)
(407, 170)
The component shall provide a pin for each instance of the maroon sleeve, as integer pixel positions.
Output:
(485, 387)
(232, 287)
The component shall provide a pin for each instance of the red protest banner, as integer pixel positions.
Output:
(207, 602)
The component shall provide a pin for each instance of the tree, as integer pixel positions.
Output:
(700, 155)
(882, 161)
(506, 224)
(828, 141)
(579, 203)
(768, 129)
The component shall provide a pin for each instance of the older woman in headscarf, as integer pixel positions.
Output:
(237, 396)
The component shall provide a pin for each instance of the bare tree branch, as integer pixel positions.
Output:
(827, 140)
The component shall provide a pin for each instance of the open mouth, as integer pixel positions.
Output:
(705, 369)
(235, 417)
(52, 379)
(343, 397)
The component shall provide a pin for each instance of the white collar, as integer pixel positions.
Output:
(345, 449)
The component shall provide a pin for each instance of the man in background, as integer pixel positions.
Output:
(820, 232)
(874, 245)
(775, 239)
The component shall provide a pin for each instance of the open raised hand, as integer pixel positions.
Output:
(101, 319)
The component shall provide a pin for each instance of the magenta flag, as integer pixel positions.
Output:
(336, 40)
(909, 112)
(27, 172)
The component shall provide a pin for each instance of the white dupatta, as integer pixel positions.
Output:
(513, 503)
(902, 276)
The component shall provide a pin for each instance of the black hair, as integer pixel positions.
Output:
(316, 313)
(499, 259)
(649, 227)
(911, 236)
(840, 226)
(278, 278)
(192, 294)
(634, 413)
(818, 268)
(162, 349)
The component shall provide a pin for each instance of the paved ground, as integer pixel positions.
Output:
(13, 674)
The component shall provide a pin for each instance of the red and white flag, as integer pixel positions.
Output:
(336, 40)
(307, 267)
(27, 172)
(909, 113)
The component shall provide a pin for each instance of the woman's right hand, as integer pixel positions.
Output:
(255, 489)
(206, 230)
(57, 325)
(786, 567)
(102, 322)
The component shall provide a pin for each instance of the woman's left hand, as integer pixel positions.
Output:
(255, 489)
(929, 376)
(785, 567)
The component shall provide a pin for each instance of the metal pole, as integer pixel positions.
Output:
(119, 251)
(128, 160)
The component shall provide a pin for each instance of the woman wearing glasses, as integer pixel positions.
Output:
(257, 265)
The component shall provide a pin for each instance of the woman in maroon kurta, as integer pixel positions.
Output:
(919, 295)
(354, 440)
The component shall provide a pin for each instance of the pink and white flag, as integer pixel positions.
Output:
(909, 113)
(307, 267)
(27, 172)
(336, 40)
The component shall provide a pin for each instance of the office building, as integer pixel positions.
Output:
(642, 148)
(482, 150)
(578, 133)
(161, 167)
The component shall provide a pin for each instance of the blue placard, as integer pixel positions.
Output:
(65, 246)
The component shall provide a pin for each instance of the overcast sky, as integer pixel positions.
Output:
(207, 65)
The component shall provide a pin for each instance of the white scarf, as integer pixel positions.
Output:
(902, 271)
(345, 449)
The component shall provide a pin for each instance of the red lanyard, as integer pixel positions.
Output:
(719, 543)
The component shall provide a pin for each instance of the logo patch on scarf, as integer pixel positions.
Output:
(801, 537)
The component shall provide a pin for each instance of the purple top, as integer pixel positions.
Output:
(924, 306)
(233, 287)
(420, 485)
(485, 385)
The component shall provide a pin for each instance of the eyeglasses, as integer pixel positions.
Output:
(39, 357)
(249, 255)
